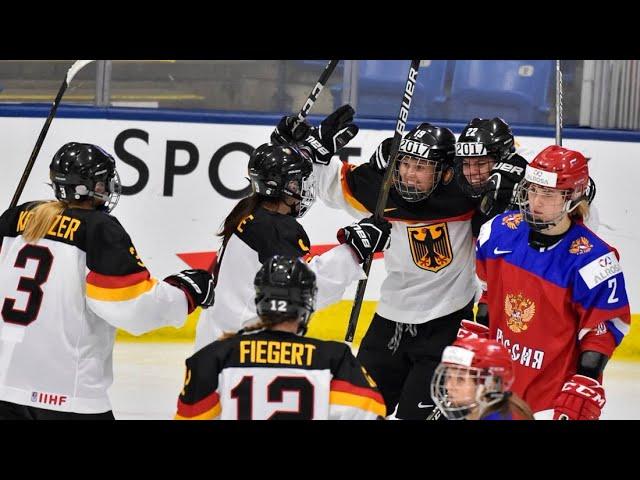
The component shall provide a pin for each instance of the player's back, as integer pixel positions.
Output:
(54, 349)
(276, 375)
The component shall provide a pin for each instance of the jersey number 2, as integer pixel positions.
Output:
(243, 393)
(613, 284)
(31, 285)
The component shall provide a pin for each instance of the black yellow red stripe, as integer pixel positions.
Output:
(206, 409)
(346, 191)
(119, 287)
(117, 281)
(347, 394)
(459, 218)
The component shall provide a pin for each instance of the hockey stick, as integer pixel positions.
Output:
(435, 414)
(558, 104)
(313, 96)
(403, 115)
(75, 68)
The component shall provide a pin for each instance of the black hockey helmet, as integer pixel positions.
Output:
(285, 288)
(79, 171)
(279, 171)
(482, 138)
(427, 145)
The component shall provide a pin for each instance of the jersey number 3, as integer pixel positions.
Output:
(30, 285)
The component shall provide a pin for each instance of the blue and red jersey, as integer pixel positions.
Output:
(549, 304)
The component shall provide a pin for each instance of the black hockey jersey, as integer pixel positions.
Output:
(256, 238)
(275, 375)
(62, 299)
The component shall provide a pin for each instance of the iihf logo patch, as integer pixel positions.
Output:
(34, 396)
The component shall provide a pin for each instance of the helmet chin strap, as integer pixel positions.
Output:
(540, 226)
(569, 206)
(292, 206)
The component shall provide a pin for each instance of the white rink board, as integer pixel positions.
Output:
(186, 221)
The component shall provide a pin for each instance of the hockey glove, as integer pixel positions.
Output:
(290, 131)
(366, 237)
(499, 194)
(581, 398)
(197, 285)
(469, 329)
(334, 132)
(380, 158)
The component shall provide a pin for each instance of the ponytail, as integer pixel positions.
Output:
(510, 405)
(243, 208)
(266, 321)
(41, 218)
(251, 328)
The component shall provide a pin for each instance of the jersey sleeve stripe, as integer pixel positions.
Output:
(208, 415)
(618, 329)
(346, 387)
(352, 400)
(346, 191)
(120, 294)
(117, 281)
(207, 408)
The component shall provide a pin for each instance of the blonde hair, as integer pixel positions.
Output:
(251, 328)
(580, 212)
(41, 218)
(266, 321)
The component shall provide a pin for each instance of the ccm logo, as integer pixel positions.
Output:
(505, 167)
(585, 392)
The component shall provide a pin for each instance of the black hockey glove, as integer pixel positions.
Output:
(286, 133)
(499, 194)
(334, 132)
(380, 158)
(197, 286)
(366, 237)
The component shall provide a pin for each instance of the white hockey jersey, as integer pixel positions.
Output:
(430, 263)
(62, 299)
(274, 375)
(257, 237)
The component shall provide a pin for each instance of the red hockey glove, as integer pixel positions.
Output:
(469, 329)
(581, 398)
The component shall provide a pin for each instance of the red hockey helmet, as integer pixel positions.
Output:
(555, 169)
(474, 373)
(559, 167)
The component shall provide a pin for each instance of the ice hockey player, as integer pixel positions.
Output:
(270, 371)
(555, 292)
(69, 275)
(266, 224)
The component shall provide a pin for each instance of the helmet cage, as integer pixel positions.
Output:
(475, 183)
(303, 189)
(412, 193)
(570, 199)
(455, 405)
